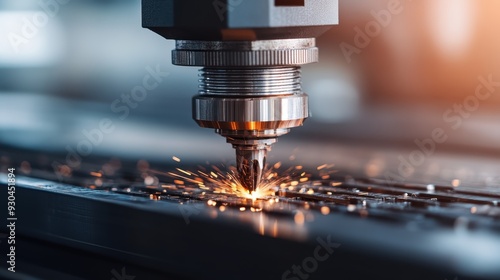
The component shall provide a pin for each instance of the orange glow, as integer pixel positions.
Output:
(325, 210)
(228, 182)
(219, 181)
(321, 166)
(299, 218)
(96, 174)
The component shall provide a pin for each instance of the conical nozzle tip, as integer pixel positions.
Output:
(250, 161)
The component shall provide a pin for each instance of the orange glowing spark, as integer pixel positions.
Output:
(228, 182)
(322, 166)
(183, 171)
(96, 174)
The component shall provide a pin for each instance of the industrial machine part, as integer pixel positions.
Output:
(251, 52)
(374, 229)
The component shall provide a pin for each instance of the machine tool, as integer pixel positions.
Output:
(350, 214)
(251, 53)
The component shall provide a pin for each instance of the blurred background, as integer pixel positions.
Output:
(385, 79)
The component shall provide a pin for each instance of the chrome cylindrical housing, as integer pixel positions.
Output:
(250, 99)
(250, 93)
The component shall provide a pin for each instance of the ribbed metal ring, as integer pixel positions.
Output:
(250, 81)
(245, 58)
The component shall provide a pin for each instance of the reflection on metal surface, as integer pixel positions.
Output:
(292, 197)
(365, 215)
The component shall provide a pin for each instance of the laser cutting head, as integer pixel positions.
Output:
(251, 52)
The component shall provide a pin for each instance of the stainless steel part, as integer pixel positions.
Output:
(245, 53)
(250, 92)
(251, 52)
(251, 113)
(250, 162)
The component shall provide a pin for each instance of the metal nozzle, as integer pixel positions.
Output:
(250, 93)
(251, 152)
(250, 162)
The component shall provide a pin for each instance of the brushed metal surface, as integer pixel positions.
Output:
(257, 109)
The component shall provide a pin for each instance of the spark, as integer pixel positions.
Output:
(321, 166)
(183, 171)
(96, 174)
(226, 180)
(211, 203)
(176, 159)
(214, 179)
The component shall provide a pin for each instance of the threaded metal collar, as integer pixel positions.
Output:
(245, 53)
